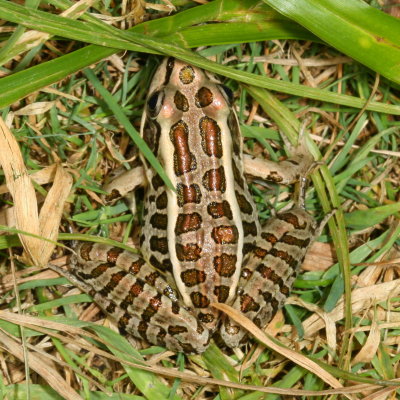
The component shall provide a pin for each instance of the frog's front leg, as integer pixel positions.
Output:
(137, 297)
(123, 185)
(284, 172)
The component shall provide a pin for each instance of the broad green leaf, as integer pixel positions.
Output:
(21, 391)
(352, 26)
(362, 219)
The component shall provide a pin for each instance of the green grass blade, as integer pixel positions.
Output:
(239, 32)
(148, 383)
(366, 34)
(124, 120)
(20, 391)
(91, 33)
(361, 219)
(44, 74)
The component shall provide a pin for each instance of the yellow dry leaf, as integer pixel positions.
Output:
(368, 351)
(25, 210)
(21, 189)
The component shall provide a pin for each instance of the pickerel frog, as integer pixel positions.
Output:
(202, 243)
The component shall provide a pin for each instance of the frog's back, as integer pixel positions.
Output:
(202, 231)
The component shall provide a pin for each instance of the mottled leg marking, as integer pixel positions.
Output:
(137, 297)
(123, 185)
(269, 274)
(272, 267)
(285, 172)
(125, 182)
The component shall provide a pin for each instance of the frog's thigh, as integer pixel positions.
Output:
(137, 297)
(271, 270)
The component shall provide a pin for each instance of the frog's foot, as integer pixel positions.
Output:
(300, 154)
(321, 225)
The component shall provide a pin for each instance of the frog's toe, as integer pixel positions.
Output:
(189, 340)
(231, 334)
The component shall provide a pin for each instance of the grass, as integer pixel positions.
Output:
(343, 315)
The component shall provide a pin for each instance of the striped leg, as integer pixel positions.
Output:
(137, 297)
(267, 278)
(268, 275)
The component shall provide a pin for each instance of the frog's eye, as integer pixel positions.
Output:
(227, 93)
(154, 103)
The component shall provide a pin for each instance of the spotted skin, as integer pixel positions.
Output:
(136, 296)
(187, 194)
(203, 97)
(219, 210)
(271, 270)
(201, 243)
(184, 159)
(210, 137)
(181, 102)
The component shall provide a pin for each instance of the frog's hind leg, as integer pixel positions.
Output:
(268, 277)
(137, 297)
